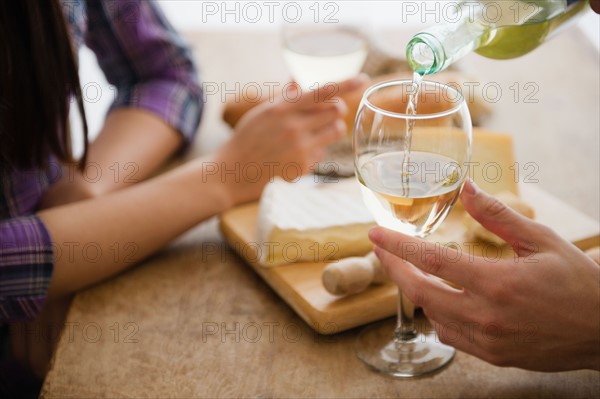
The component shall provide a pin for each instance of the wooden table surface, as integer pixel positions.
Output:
(195, 321)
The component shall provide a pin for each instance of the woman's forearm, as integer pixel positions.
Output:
(131, 146)
(98, 238)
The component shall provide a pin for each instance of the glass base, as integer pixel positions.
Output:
(422, 355)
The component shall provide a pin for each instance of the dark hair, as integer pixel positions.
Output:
(38, 76)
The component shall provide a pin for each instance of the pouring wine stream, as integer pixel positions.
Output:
(411, 109)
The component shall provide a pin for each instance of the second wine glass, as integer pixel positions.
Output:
(323, 53)
(412, 167)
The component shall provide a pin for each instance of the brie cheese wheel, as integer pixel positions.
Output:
(308, 222)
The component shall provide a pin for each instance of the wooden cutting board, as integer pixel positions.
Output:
(299, 285)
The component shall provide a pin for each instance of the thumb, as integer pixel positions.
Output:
(494, 215)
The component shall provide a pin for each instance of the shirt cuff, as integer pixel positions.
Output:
(26, 267)
(177, 104)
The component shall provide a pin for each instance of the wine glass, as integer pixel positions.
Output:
(321, 53)
(411, 167)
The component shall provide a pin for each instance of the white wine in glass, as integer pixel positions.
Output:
(414, 205)
(412, 144)
(317, 54)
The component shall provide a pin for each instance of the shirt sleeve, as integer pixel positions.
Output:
(26, 266)
(148, 62)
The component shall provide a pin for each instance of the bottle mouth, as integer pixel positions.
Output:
(425, 54)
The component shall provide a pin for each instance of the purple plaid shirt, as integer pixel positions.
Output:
(152, 68)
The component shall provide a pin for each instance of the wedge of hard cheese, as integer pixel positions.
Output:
(493, 162)
(308, 222)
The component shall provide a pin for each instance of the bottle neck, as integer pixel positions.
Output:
(433, 50)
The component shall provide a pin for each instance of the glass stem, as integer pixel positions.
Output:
(405, 329)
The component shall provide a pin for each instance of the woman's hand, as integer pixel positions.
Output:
(539, 310)
(285, 138)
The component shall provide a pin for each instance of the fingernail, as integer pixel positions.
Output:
(341, 106)
(377, 251)
(362, 78)
(375, 235)
(470, 188)
(343, 129)
(358, 80)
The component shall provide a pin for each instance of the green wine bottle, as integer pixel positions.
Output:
(495, 29)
